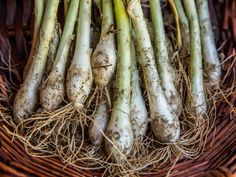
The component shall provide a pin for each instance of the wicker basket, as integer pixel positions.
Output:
(219, 157)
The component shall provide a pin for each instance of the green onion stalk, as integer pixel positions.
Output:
(139, 114)
(184, 27)
(26, 99)
(79, 77)
(53, 90)
(119, 133)
(197, 94)
(211, 60)
(38, 17)
(164, 121)
(103, 66)
(162, 59)
(53, 49)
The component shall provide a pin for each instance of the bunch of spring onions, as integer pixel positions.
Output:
(52, 79)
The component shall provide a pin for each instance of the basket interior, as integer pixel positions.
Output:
(16, 27)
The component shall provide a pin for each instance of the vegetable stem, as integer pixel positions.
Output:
(164, 68)
(100, 121)
(53, 48)
(79, 78)
(39, 11)
(66, 5)
(54, 90)
(184, 26)
(138, 108)
(26, 99)
(104, 56)
(104, 65)
(210, 56)
(197, 95)
(164, 124)
(119, 130)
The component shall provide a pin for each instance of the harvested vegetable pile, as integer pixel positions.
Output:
(130, 92)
